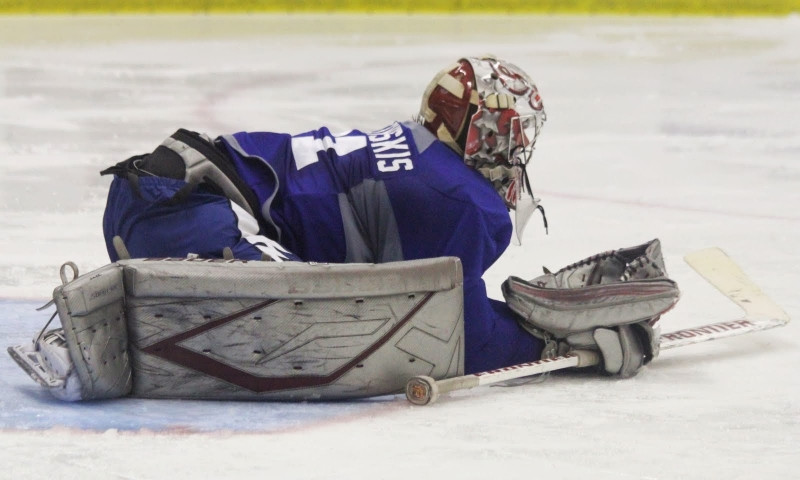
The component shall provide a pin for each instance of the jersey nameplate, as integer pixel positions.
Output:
(391, 149)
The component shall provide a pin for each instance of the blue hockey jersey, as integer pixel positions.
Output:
(393, 194)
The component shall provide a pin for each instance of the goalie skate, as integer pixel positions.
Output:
(46, 360)
(42, 359)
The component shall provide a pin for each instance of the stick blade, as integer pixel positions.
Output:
(723, 273)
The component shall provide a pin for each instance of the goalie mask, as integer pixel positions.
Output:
(490, 112)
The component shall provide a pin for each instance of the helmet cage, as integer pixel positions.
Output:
(504, 128)
(503, 133)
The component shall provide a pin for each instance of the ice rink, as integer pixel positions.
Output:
(685, 129)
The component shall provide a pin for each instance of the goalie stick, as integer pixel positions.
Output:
(761, 313)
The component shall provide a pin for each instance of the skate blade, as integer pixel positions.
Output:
(32, 363)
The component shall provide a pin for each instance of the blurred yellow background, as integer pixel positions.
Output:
(643, 7)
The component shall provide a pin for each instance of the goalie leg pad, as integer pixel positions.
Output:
(291, 331)
(91, 309)
(218, 329)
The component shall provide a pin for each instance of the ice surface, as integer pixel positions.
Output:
(684, 129)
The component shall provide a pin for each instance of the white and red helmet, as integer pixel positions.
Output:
(490, 112)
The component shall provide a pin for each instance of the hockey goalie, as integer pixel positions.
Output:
(264, 265)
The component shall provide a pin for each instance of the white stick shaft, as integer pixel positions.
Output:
(575, 359)
(715, 331)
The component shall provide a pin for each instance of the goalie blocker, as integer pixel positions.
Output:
(226, 329)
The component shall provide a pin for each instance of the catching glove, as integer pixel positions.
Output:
(609, 302)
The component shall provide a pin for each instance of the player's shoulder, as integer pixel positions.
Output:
(422, 138)
(444, 170)
(435, 155)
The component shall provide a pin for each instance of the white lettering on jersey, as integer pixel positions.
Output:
(390, 144)
(305, 148)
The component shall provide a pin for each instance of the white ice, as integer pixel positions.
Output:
(685, 129)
